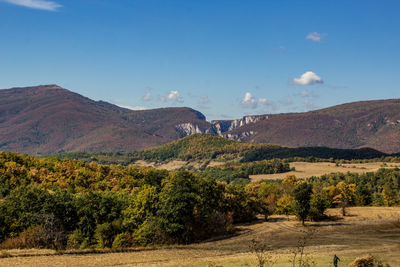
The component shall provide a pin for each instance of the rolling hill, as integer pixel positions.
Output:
(208, 146)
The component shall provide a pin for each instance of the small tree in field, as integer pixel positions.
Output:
(300, 257)
(302, 194)
(262, 253)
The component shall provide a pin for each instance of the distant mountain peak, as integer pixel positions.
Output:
(47, 119)
(50, 86)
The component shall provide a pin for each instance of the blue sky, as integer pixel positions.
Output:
(226, 59)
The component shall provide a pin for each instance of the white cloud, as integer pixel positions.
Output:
(249, 101)
(132, 107)
(174, 96)
(315, 36)
(147, 96)
(308, 78)
(282, 48)
(36, 4)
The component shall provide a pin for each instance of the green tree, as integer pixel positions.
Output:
(143, 206)
(268, 194)
(285, 204)
(346, 197)
(242, 204)
(318, 204)
(21, 208)
(302, 194)
(390, 195)
(178, 199)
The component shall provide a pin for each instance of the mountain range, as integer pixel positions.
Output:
(48, 119)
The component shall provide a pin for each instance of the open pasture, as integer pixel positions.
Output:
(308, 169)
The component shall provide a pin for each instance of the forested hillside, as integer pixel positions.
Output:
(207, 146)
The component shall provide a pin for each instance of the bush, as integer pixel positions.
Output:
(86, 244)
(146, 233)
(367, 261)
(75, 239)
(123, 240)
(30, 238)
(104, 235)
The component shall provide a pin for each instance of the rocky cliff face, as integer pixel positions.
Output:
(221, 127)
(242, 136)
(185, 129)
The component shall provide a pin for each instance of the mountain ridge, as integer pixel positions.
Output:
(372, 123)
(49, 119)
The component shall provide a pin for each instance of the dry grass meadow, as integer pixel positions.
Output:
(308, 169)
(367, 230)
(303, 169)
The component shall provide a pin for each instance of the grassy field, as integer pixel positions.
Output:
(308, 169)
(367, 230)
(303, 169)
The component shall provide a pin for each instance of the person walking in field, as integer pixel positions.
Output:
(335, 260)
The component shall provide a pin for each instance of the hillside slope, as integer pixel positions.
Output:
(374, 124)
(208, 146)
(50, 119)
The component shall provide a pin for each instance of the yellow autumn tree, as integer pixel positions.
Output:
(346, 196)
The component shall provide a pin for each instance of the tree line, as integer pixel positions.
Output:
(240, 173)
